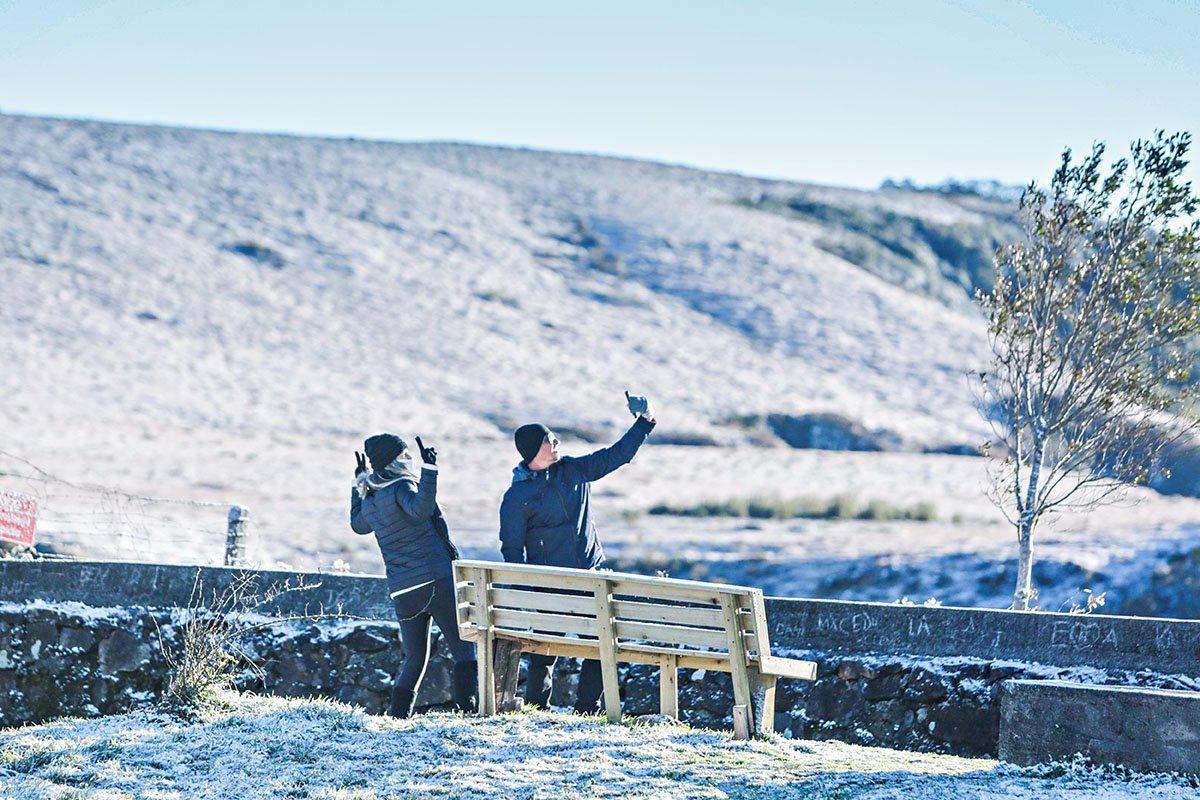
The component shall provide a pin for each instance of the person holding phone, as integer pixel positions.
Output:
(401, 509)
(546, 519)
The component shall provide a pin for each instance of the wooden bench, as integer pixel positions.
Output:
(507, 609)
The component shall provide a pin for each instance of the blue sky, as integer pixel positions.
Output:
(842, 93)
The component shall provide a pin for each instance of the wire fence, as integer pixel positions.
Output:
(90, 520)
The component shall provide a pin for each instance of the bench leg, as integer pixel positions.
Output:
(741, 722)
(487, 675)
(608, 650)
(763, 689)
(508, 670)
(668, 686)
(741, 693)
(612, 689)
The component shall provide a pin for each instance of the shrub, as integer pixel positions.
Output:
(260, 253)
(595, 251)
(205, 656)
(492, 296)
(839, 507)
(844, 506)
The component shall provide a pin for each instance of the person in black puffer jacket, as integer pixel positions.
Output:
(402, 511)
(546, 518)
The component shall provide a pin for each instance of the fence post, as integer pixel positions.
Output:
(235, 536)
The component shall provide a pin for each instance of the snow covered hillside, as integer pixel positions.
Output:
(305, 285)
(271, 747)
(191, 298)
(195, 319)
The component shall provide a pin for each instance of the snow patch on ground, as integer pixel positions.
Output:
(275, 747)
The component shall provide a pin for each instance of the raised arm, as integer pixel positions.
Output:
(358, 520)
(596, 465)
(419, 503)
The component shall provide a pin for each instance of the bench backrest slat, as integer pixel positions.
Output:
(671, 634)
(694, 616)
(541, 621)
(550, 602)
(701, 594)
(510, 575)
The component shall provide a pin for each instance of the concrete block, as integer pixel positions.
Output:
(1140, 728)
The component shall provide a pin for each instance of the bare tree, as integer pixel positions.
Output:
(1091, 321)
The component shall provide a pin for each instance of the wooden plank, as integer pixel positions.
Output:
(583, 648)
(737, 654)
(486, 643)
(758, 618)
(706, 594)
(516, 575)
(470, 632)
(688, 659)
(544, 601)
(462, 603)
(788, 667)
(684, 586)
(589, 645)
(533, 620)
(634, 611)
(668, 686)
(671, 634)
(608, 651)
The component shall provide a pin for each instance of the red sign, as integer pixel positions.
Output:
(18, 518)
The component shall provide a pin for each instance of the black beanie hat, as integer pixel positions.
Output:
(383, 448)
(529, 438)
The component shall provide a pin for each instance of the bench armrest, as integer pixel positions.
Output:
(788, 667)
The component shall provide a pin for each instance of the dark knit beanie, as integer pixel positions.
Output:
(529, 438)
(383, 448)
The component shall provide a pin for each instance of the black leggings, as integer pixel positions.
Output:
(416, 609)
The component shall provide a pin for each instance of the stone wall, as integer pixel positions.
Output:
(75, 660)
(837, 628)
(902, 676)
(70, 659)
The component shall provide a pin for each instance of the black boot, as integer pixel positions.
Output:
(402, 703)
(466, 686)
(590, 689)
(539, 679)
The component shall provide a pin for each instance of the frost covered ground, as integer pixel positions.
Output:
(269, 747)
(194, 319)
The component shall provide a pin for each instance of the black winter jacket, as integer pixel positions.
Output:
(545, 517)
(407, 523)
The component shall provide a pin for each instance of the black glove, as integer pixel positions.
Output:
(428, 454)
(361, 463)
